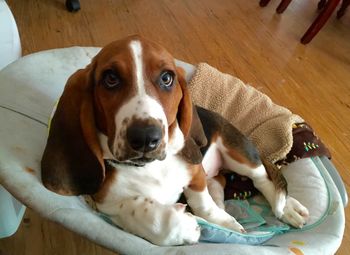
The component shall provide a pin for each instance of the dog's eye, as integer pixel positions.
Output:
(166, 79)
(111, 79)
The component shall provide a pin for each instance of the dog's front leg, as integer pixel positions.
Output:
(203, 205)
(157, 223)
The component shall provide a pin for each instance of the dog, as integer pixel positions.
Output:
(125, 131)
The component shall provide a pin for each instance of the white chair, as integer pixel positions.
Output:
(11, 211)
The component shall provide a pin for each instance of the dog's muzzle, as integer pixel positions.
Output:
(142, 141)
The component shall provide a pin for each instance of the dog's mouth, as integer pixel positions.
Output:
(138, 162)
(134, 158)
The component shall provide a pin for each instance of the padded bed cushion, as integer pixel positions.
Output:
(29, 89)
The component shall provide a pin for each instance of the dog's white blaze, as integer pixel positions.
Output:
(136, 50)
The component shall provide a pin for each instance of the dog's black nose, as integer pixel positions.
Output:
(144, 138)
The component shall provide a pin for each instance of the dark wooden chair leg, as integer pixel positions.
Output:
(283, 5)
(321, 4)
(263, 3)
(319, 21)
(342, 9)
(73, 5)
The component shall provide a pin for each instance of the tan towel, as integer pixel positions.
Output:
(268, 125)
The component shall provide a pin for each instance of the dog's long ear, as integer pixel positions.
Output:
(72, 162)
(185, 112)
(197, 131)
(190, 124)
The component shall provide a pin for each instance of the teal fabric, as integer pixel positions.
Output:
(212, 233)
(254, 215)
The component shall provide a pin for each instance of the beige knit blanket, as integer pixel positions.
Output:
(268, 125)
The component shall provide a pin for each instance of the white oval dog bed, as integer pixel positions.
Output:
(28, 92)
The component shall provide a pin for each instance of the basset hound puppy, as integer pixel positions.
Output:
(126, 132)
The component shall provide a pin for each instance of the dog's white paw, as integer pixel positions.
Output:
(294, 213)
(182, 228)
(222, 218)
(232, 223)
(188, 229)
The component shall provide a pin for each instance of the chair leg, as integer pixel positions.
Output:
(319, 21)
(263, 3)
(342, 9)
(73, 5)
(283, 5)
(321, 4)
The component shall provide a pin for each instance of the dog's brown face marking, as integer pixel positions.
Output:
(135, 81)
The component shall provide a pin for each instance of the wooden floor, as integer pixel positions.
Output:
(238, 37)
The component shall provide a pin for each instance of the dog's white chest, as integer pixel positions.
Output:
(162, 181)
